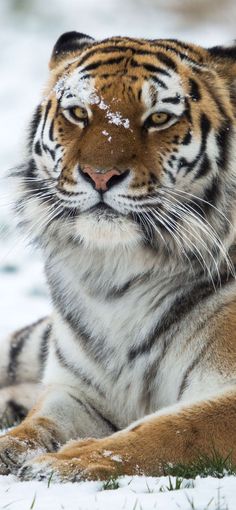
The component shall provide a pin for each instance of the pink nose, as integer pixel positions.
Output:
(100, 180)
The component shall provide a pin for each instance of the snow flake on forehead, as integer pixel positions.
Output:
(114, 117)
(76, 89)
(105, 133)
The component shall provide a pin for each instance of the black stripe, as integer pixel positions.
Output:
(139, 95)
(124, 49)
(187, 138)
(169, 62)
(148, 230)
(185, 46)
(34, 124)
(181, 307)
(103, 50)
(119, 292)
(51, 130)
(187, 111)
(95, 347)
(211, 194)
(48, 107)
(95, 65)
(194, 91)
(37, 148)
(195, 362)
(117, 45)
(170, 175)
(173, 100)
(76, 371)
(15, 351)
(154, 69)
(193, 365)
(49, 151)
(158, 81)
(151, 68)
(205, 126)
(149, 382)
(115, 49)
(94, 413)
(33, 184)
(204, 168)
(17, 344)
(181, 55)
(44, 344)
(223, 138)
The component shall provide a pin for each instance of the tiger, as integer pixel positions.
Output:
(127, 187)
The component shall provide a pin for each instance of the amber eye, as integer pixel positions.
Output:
(77, 113)
(157, 119)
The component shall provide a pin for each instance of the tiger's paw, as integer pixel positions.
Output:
(51, 469)
(84, 460)
(13, 453)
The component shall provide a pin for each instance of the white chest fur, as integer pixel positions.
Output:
(109, 314)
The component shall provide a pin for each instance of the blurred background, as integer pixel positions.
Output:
(28, 31)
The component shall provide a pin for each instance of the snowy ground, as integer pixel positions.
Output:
(138, 493)
(26, 42)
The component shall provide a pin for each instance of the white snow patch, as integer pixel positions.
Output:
(102, 105)
(79, 89)
(134, 492)
(114, 117)
(116, 458)
(105, 133)
(107, 453)
(117, 119)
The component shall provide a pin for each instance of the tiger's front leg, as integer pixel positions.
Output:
(179, 435)
(59, 415)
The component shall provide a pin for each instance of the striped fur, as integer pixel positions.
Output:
(141, 346)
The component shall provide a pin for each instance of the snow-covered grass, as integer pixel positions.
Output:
(137, 493)
(26, 42)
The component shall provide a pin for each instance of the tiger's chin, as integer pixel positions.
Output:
(107, 231)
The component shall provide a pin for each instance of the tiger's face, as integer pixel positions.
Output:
(132, 138)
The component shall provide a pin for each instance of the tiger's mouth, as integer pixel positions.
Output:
(104, 210)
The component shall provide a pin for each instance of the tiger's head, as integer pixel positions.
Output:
(133, 143)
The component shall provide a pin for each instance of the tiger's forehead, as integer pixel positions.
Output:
(123, 78)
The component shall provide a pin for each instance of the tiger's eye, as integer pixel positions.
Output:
(79, 113)
(159, 118)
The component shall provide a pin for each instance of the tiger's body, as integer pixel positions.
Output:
(129, 188)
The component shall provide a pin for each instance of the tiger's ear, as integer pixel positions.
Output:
(69, 44)
(223, 59)
(224, 52)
